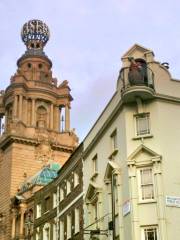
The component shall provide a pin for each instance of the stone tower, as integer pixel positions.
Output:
(36, 113)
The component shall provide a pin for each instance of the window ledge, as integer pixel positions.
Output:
(47, 212)
(67, 194)
(94, 175)
(76, 185)
(143, 136)
(77, 231)
(115, 151)
(147, 201)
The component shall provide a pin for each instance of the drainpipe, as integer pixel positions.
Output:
(113, 183)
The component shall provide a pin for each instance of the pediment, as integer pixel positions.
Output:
(111, 166)
(143, 153)
(136, 50)
(92, 191)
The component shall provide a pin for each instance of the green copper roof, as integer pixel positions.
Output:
(43, 177)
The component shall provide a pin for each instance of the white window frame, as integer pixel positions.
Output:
(61, 229)
(54, 231)
(95, 210)
(76, 179)
(139, 133)
(77, 220)
(143, 229)
(38, 235)
(54, 199)
(140, 184)
(95, 164)
(61, 193)
(68, 187)
(117, 220)
(114, 143)
(69, 226)
(38, 210)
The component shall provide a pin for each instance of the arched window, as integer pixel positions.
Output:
(41, 117)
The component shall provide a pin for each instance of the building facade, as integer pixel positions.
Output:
(44, 222)
(70, 190)
(132, 190)
(58, 206)
(36, 115)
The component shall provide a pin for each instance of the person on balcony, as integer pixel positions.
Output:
(136, 72)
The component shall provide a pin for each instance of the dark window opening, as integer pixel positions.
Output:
(29, 65)
(40, 66)
(32, 45)
(47, 204)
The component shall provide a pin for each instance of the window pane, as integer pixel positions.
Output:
(146, 176)
(150, 234)
(76, 220)
(68, 226)
(61, 227)
(142, 124)
(76, 179)
(114, 140)
(147, 187)
(94, 163)
(147, 192)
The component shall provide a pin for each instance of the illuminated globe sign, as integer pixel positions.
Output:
(35, 34)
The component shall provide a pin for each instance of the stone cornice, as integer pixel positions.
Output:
(34, 89)
(6, 141)
(167, 98)
(9, 139)
(62, 148)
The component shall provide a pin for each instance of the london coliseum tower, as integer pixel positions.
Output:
(36, 112)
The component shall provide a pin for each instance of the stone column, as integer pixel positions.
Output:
(134, 202)
(25, 110)
(160, 199)
(120, 204)
(13, 230)
(51, 116)
(21, 230)
(88, 219)
(20, 106)
(57, 119)
(100, 211)
(6, 121)
(109, 195)
(67, 118)
(0, 125)
(15, 107)
(33, 112)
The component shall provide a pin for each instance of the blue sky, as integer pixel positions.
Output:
(88, 38)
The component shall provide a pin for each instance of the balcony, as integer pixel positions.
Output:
(136, 83)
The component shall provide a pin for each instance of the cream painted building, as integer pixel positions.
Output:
(133, 149)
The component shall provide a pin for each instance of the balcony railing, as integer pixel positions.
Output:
(137, 77)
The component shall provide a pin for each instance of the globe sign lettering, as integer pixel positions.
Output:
(35, 30)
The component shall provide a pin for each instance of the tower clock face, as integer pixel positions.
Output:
(35, 30)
